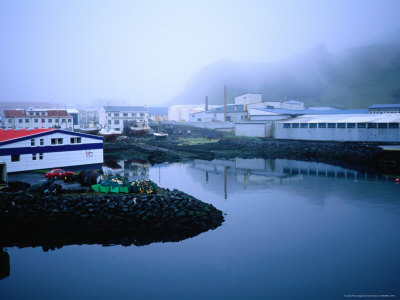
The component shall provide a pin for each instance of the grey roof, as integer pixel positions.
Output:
(283, 111)
(230, 108)
(125, 108)
(159, 110)
(384, 106)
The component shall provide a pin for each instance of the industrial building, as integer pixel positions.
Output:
(115, 117)
(341, 127)
(384, 109)
(24, 149)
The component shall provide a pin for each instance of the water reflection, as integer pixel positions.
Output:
(131, 169)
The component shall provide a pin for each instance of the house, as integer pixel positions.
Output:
(115, 117)
(158, 114)
(32, 118)
(31, 149)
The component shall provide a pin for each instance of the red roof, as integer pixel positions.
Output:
(10, 134)
(15, 113)
(57, 113)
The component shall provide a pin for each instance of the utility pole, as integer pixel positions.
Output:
(206, 108)
(224, 103)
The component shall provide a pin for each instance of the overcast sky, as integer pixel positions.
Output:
(144, 52)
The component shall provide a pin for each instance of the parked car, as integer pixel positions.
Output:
(58, 174)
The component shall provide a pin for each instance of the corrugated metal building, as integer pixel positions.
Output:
(341, 127)
(24, 150)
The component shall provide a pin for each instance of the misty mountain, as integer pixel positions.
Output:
(355, 78)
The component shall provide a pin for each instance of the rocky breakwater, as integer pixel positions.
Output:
(53, 221)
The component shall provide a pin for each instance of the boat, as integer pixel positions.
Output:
(160, 135)
(140, 129)
(89, 130)
(110, 135)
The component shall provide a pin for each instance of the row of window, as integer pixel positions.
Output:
(341, 125)
(126, 114)
(20, 121)
(35, 156)
(57, 141)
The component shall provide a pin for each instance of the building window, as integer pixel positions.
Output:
(40, 156)
(31, 113)
(34, 156)
(43, 120)
(32, 142)
(228, 118)
(63, 120)
(142, 114)
(295, 125)
(37, 114)
(116, 122)
(372, 125)
(41, 142)
(19, 120)
(132, 114)
(331, 125)
(393, 125)
(76, 140)
(361, 125)
(341, 125)
(286, 125)
(382, 125)
(117, 129)
(199, 119)
(56, 120)
(116, 114)
(351, 125)
(36, 120)
(69, 120)
(15, 157)
(58, 141)
(109, 114)
(125, 114)
(109, 122)
(321, 125)
(26, 120)
(9, 120)
(303, 125)
(312, 125)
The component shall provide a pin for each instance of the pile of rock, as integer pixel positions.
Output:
(56, 220)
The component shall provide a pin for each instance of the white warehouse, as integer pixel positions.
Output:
(341, 127)
(24, 149)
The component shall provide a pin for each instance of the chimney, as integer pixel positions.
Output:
(244, 104)
(206, 103)
(224, 103)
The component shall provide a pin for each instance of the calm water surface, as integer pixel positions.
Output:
(292, 230)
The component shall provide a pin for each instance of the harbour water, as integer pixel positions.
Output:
(292, 230)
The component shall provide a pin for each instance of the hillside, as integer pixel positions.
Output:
(354, 78)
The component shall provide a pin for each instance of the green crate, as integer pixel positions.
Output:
(96, 188)
(104, 189)
(114, 189)
(124, 189)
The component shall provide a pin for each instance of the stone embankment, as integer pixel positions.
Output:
(54, 221)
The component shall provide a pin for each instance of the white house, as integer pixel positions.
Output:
(37, 118)
(115, 117)
(24, 150)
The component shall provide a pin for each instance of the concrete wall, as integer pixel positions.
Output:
(250, 129)
(338, 134)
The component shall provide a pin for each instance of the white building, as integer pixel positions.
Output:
(384, 109)
(24, 150)
(341, 127)
(37, 118)
(181, 113)
(115, 117)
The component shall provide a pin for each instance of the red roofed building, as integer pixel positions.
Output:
(37, 119)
